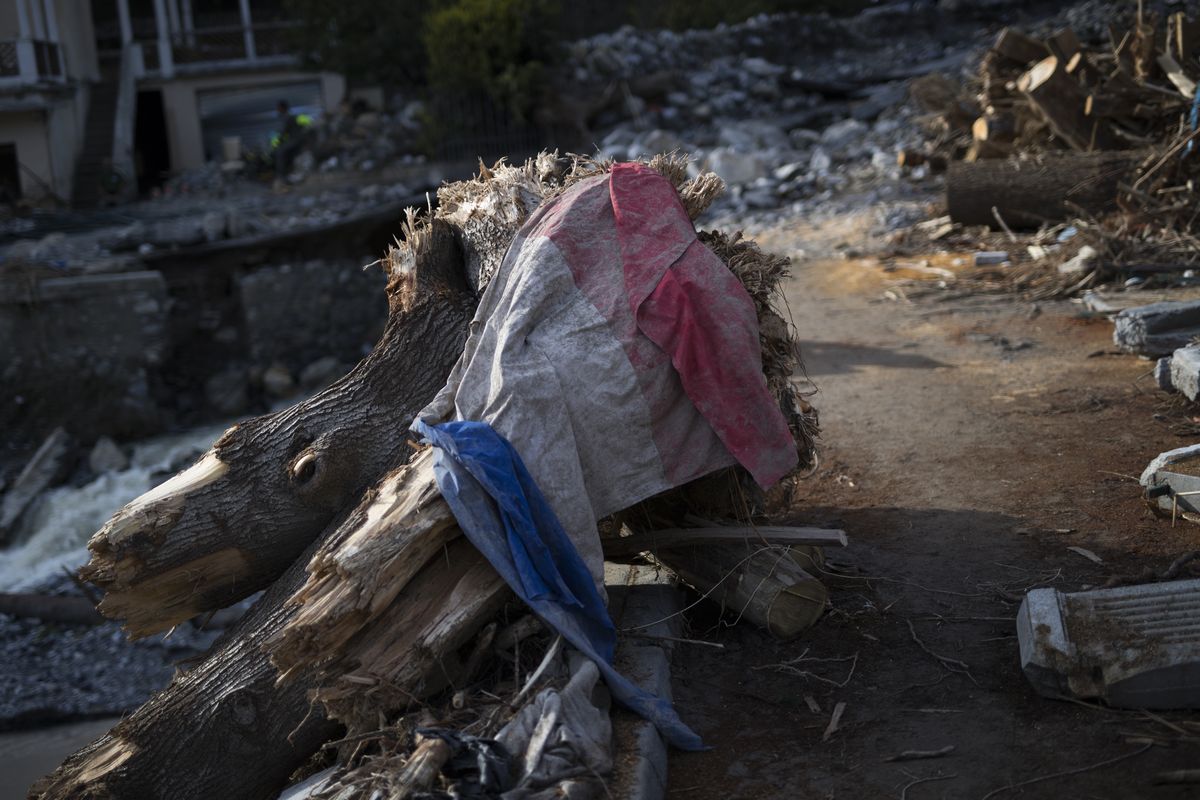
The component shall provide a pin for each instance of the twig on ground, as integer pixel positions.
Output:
(951, 664)
(1172, 572)
(790, 668)
(676, 639)
(1178, 776)
(915, 755)
(834, 721)
(1066, 773)
(918, 781)
(1012, 237)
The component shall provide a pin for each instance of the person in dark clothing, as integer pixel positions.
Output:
(290, 139)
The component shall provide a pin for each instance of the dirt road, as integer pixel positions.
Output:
(965, 448)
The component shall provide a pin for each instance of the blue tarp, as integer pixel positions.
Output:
(503, 513)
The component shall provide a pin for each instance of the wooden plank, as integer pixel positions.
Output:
(682, 537)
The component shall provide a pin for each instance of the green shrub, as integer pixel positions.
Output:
(369, 42)
(498, 47)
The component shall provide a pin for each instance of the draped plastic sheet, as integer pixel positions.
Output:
(612, 357)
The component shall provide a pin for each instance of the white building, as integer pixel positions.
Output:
(90, 89)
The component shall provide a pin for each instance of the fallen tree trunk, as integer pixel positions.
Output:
(1031, 192)
(50, 608)
(233, 522)
(223, 729)
(235, 711)
(382, 611)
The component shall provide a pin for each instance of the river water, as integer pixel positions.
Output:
(53, 534)
(52, 537)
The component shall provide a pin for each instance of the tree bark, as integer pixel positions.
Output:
(223, 729)
(234, 727)
(378, 613)
(232, 523)
(1030, 192)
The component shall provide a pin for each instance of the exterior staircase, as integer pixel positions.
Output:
(95, 160)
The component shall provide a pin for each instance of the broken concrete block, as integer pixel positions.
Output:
(1185, 371)
(1162, 374)
(1157, 329)
(1134, 646)
(47, 465)
(735, 167)
(1172, 477)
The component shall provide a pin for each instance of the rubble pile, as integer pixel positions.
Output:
(355, 139)
(785, 127)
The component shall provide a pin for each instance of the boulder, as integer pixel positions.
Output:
(277, 381)
(735, 167)
(226, 391)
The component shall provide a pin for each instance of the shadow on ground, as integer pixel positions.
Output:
(920, 645)
(838, 358)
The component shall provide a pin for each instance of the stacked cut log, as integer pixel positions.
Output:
(374, 601)
(1070, 108)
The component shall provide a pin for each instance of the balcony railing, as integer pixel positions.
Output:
(216, 46)
(10, 66)
(30, 61)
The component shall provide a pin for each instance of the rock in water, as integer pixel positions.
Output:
(106, 456)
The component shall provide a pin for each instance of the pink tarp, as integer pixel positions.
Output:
(618, 355)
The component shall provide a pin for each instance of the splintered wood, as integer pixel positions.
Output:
(388, 601)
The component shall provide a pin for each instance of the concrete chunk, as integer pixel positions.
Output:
(1173, 478)
(1162, 374)
(1135, 646)
(1185, 371)
(1157, 329)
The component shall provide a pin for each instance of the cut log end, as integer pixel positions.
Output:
(169, 598)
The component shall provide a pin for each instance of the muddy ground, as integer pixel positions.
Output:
(966, 445)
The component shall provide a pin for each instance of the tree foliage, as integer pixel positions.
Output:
(499, 47)
(369, 42)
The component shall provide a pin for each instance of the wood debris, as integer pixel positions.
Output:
(1063, 129)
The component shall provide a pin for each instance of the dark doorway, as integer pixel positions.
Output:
(150, 141)
(10, 174)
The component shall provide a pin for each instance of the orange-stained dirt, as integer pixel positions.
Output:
(966, 445)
